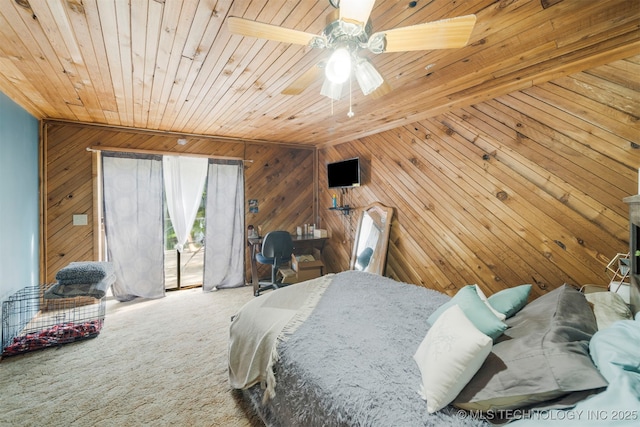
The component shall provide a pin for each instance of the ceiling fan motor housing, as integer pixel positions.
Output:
(339, 33)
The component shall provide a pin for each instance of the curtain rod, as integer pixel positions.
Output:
(98, 148)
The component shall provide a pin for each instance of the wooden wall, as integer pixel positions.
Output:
(281, 177)
(526, 188)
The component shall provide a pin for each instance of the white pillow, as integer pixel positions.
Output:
(449, 356)
(499, 315)
(608, 307)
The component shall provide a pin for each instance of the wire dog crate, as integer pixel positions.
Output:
(31, 322)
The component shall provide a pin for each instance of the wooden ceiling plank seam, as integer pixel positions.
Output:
(497, 38)
(247, 105)
(602, 17)
(63, 27)
(109, 25)
(585, 43)
(251, 96)
(92, 91)
(204, 28)
(124, 40)
(492, 89)
(101, 71)
(387, 98)
(216, 58)
(177, 39)
(29, 59)
(139, 22)
(22, 92)
(486, 84)
(152, 47)
(200, 94)
(256, 45)
(191, 89)
(263, 72)
(170, 18)
(212, 65)
(46, 43)
(55, 22)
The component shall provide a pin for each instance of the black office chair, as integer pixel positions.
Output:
(277, 247)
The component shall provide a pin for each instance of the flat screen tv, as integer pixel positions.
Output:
(344, 174)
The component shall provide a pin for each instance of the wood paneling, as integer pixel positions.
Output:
(173, 65)
(523, 188)
(279, 176)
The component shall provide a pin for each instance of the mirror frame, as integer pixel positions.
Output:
(377, 212)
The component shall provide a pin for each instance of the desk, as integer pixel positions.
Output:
(300, 243)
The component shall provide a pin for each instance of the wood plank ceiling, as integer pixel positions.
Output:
(172, 65)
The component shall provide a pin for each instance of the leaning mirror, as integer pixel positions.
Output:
(372, 239)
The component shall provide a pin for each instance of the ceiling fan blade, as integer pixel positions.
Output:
(443, 34)
(304, 81)
(247, 27)
(381, 91)
(357, 11)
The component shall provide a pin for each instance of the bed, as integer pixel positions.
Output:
(359, 349)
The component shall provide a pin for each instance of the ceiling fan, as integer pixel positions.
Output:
(348, 31)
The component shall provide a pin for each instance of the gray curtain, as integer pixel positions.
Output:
(134, 223)
(224, 235)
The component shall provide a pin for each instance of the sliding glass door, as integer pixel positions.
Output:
(191, 259)
(166, 227)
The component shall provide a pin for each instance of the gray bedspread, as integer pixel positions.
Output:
(351, 362)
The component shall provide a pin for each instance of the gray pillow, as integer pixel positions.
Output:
(541, 357)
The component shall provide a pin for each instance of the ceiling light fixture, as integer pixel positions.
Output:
(338, 67)
(368, 77)
(331, 90)
(347, 32)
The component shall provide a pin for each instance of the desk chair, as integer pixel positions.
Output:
(277, 247)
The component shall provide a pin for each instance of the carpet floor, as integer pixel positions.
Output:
(155, 363)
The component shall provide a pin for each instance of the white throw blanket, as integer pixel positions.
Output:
(256, 329)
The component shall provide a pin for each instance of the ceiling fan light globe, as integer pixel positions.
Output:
(331, 90)
(338, 67)
(368, 77)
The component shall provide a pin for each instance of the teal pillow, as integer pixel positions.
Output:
(510, 301)
(475, 309)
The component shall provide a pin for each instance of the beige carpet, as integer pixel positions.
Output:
(156, 362)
